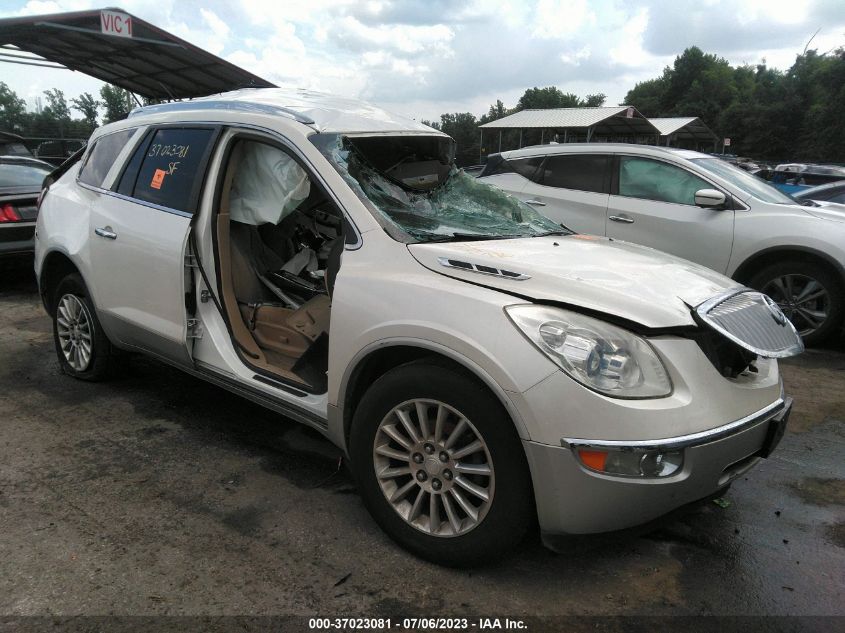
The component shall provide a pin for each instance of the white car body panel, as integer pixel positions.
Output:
(723, 240)
(704, 236)
(581, 211)
(658, 290)
(388, 293)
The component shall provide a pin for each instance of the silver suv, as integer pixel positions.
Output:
(695, 206)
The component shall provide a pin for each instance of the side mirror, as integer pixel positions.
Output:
(709, 198)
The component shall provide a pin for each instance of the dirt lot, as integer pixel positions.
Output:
(160, 494)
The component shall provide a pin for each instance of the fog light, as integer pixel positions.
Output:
(632, 462)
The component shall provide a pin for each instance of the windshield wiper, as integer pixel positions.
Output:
(563, 231)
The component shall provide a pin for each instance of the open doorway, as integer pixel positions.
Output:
(279, 242)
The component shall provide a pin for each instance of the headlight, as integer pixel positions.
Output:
(600, 356)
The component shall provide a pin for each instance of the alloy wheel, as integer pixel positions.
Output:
(433, 467)
(74, 328)
(802, 299)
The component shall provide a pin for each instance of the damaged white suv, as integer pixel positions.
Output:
(476, 362)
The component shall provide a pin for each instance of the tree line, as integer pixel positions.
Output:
(464, 127)
(796, 114)
(769, 114)
(55, 118)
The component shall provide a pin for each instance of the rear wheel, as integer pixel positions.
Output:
(810, 296)
(83, 349)
(440, 466)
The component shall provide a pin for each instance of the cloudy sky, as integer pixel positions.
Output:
(426, 57)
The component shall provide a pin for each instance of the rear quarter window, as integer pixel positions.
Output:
(169, 168)
(103, 155)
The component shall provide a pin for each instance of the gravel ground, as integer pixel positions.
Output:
(160, 494)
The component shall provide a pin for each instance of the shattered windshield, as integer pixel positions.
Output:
(427, 197)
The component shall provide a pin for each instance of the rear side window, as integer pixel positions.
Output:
(582, 172)
(656, 180)
(526, 167)
(103, 155)
(168, 170)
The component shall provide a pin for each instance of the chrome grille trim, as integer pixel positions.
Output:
(753, 321)
(482, 269)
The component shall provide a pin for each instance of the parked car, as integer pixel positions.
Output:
(694, 206)
(794, 178)
(20, 184)
(58, 150)
(831, 192)
(476, 362)
(13, 145)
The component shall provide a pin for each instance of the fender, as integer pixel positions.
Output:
(336, 413)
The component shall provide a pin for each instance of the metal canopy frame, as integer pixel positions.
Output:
(151, 63)
(673, 129)
(616, 123)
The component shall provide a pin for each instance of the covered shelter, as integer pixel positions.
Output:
(619, 123)
(123, 50)
(688, 132)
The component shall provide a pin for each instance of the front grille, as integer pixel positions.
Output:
(753, 321)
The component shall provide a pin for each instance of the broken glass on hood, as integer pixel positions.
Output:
(413, 185)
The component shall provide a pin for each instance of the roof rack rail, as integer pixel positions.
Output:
(214, 104)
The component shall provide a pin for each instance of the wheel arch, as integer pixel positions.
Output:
(768, 256)
(56, 266)
(379, 358)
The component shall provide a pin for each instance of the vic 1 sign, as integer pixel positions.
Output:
(115, 23)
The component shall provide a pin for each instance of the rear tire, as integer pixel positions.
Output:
(83, 349)
(468, 529)
(810, 295)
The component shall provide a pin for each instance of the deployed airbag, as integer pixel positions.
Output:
(268, 186)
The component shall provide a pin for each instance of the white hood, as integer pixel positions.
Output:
(626, 280)
(827, 210)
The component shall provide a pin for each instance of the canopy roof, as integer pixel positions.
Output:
(605, 120)
(684, 127)
(123, 50)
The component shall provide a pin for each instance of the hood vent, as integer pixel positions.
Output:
(482, 269)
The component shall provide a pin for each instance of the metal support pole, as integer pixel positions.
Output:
(589, 133)
(565, 135)
(500, 140)
(520, 138)
(481, 145)
(542, 132)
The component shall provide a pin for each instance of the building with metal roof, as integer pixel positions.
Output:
(685, 131)
(123, 50)
(619, 123)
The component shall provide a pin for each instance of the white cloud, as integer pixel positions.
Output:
(424, 57)
(562, 18)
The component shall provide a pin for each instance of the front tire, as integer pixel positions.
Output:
(811, 296)
(83, 349)
(440, 466)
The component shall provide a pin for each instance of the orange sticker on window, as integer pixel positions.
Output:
(158, 178)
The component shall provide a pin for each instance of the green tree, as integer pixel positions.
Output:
(12, 109)
(595, 101)
(463, 127)
(56, 112)
(647, 96)
(88, 106)
(117, 102)
(57, 106)
(546, 98)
